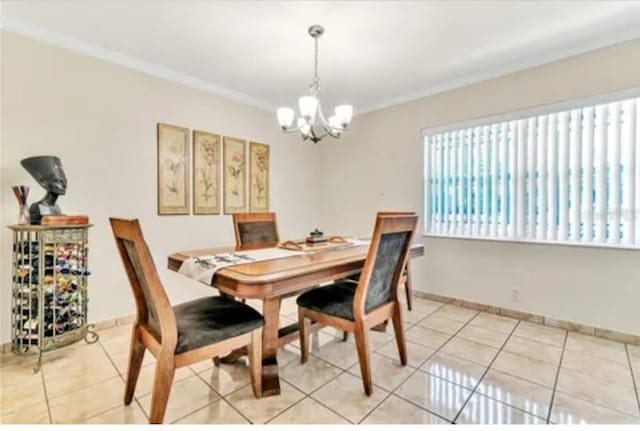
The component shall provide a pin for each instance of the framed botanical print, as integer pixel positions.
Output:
(258, 177)
(235, 199)
(206, 173)
(173, 170)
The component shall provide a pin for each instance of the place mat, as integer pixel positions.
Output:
(335, 244)
(203, 268)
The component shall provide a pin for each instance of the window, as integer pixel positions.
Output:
(570, 176)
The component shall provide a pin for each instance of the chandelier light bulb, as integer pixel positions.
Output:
(308, 108)
(344, 114)
(285, 117)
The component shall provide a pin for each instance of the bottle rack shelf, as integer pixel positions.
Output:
(49, 300)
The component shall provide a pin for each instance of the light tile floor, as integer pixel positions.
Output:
(464, 367)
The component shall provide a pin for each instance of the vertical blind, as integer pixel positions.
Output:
(570, 176)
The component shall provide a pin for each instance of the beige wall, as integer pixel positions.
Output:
(378, 165)
(100, 119)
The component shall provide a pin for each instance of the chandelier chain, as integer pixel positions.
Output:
(315, 65)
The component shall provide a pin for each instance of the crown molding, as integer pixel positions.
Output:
(54, 38)
(620, 35)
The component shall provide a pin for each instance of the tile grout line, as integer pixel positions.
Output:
(468, 323)
(418, 368)
(633, 377)
(392, 392)
(598, 403)
(410, 326)
(123, 379)
(222, 398)
(555, 383)
(514, 336)
(342, 371)
(277, 415)
(509, 337)
(88, 386)
(318, 401)
(346, 371)
(382, 345)
(475, 388)
(46, 394)
(328, 407)
(136, 398)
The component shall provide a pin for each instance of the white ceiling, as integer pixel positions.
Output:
(373, 54)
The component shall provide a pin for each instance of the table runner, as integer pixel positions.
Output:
(203, 268)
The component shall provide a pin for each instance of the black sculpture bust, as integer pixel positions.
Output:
(48, 172)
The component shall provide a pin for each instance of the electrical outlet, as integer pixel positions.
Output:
(515, 295)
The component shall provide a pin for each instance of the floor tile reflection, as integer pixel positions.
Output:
(463, 365)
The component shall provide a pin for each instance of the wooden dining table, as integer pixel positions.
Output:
(271, 281)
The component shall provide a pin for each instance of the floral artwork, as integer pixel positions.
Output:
(173, 170)
(258, 177)
(206, 173)
(234, 175)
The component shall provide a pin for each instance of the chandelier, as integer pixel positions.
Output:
(312, 123)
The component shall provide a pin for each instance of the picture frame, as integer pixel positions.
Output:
(259, 172)
(206, 150)
(173, 169)
(235, 173)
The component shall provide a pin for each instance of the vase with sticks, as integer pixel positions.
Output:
(21, 193)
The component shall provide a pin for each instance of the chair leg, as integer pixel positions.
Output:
(162, 382)
(136, 355)
(398, 327)
(345, 336)
(362, 344)
(254, 350)
(408, 287)
(216, 361)
(303, 328)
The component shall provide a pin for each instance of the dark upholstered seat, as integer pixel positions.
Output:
(213, 319)
(337, 299)
(181, 335)
(359, 306)
(334, 300)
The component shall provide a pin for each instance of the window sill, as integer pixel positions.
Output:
(629, 247)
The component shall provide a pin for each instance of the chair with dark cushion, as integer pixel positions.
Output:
(255, 229)
(406, 275)
(358, 307)
(183, 334)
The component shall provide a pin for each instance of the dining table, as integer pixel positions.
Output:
(271, 281)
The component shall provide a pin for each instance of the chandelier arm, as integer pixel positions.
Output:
(326, 131)
(328, 125)
(289, 130)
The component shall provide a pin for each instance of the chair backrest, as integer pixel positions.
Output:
(255, 228)
(153, 307)
(387, 257)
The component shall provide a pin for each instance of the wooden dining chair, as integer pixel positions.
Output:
(406, 275)
(255, 228)
(182, 334)
(358, 307)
